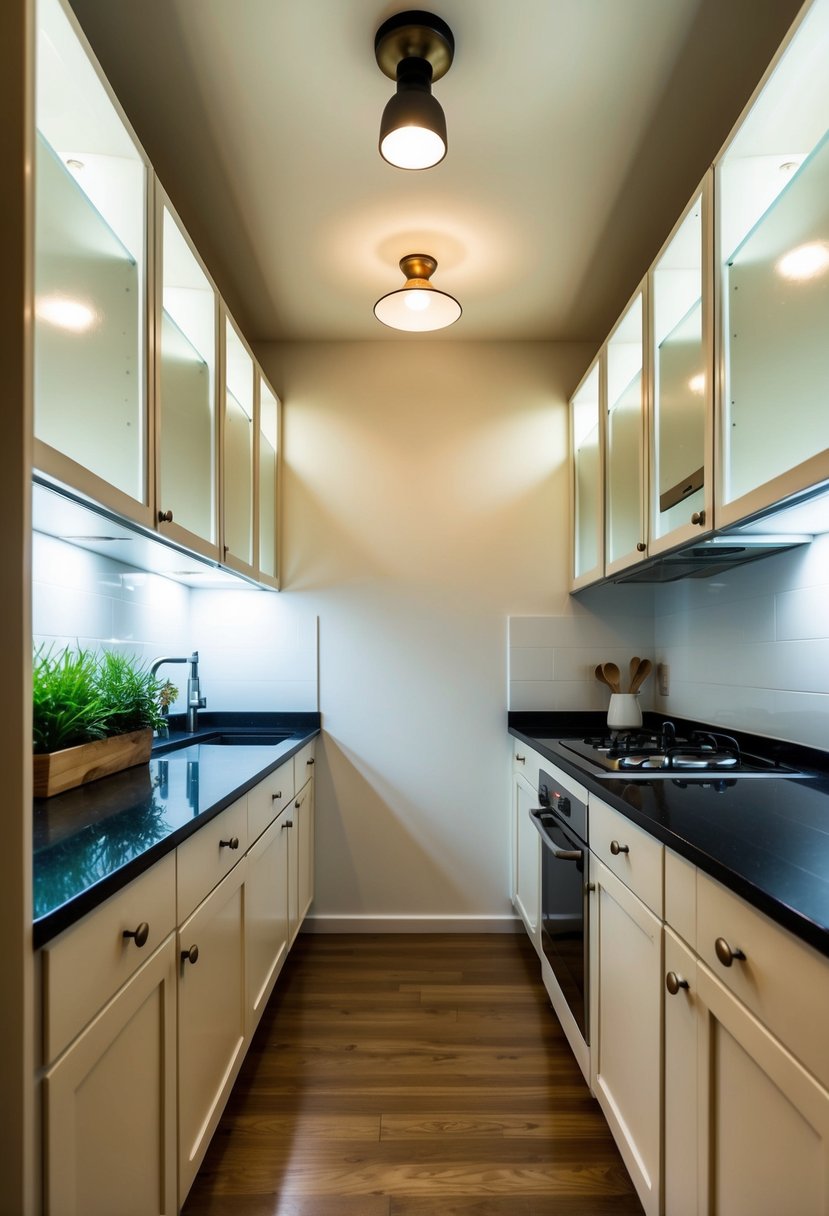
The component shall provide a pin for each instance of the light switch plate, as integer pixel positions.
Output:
(663, 678)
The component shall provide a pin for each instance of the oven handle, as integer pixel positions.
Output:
(559, 854)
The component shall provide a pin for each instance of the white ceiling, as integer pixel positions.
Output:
(577, 131)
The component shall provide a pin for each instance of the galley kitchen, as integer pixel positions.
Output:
(416, 619)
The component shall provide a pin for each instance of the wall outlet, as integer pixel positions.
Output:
(663, 679)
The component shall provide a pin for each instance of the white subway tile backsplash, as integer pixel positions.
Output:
(531, 663)
(802, 613)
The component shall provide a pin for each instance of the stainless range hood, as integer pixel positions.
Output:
(711, 555)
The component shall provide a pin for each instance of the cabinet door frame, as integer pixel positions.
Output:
(688, 531)
(49, 460)
(273, 837)
(646, 1176)
(67, 1074)
(718, 1005)
(596, 573)
(531, 924)
(175, 531)
(262, 576)
(633, 556)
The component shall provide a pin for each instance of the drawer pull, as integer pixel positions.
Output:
(274, 797)
(673, 983)
(139, 935)
(309, 761)
(165, 517)
(289, 823)
(520, 759)
(191, 955)
(617, 848)
(725, 953)
(231, 843)
(297, 804)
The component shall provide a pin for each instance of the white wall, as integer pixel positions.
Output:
(425, 498)
(749, 649)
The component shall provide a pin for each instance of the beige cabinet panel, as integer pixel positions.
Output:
(304, 765)
(626, 1019)
(680, 1089)
(266, 914)
(211, 853)
(764, 1121)
(630, 852)
(110, 1105)
(212, 1017)
(269, 799)
(526, 853)
(301, 858)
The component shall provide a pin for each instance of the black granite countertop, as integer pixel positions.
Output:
(93, 840)
(767, 840)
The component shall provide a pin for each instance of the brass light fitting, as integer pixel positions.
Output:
(415, 49)
(417, 306)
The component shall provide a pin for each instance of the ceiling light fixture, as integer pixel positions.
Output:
(417, 306)
(415, 49)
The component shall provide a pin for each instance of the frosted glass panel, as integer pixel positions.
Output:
(187, 415)
(90, 210)
(238, 449)
(268, 439)
(588, 485)
(625, 437)
(776, 290)
(679, 368)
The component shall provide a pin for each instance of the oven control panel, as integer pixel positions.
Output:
(553, 796)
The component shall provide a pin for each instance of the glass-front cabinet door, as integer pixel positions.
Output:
(681, 432)
(268, 488)
(92, 428)
(625, 439)
(772, 189)
(587, 479)
(186, 389)
(238, 450)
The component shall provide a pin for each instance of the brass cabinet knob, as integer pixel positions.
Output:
(617, 848)
(673, 983)
(231, 843)
(165, 517)
(276, 796)
(725, 953)
(641, 547)
(191, 955)
(698, 518)
(139, 935)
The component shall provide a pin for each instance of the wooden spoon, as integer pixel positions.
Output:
(643, 671)
(611, 676)
(634, 663)
(600, 674)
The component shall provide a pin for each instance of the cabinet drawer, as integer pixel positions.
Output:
(269, 798)
(304, 765)
(782, 980)
(212, 852)
(638, 859)
(88, 963)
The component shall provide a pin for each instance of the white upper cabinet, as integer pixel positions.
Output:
(268, 484)
(238, 434)
(186, 388)
(92, 422)
(772, 240)
(625, 541)
(681, 361)
(587, 474)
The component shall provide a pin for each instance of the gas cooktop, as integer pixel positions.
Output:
(663, 753)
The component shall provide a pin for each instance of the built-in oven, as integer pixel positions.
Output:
(561, 819)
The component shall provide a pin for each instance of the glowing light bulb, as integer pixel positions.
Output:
(416, 299)
(804, 262)
(65, 313)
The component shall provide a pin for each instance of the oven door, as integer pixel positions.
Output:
(565, 935)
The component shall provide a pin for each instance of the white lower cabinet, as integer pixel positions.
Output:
(626, 1015)
(266, 914)
(746, 1123)
(110, 1104)
(526, 853)
(300, 858)
(212, 1016)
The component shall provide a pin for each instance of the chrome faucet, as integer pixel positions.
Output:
(195, 701)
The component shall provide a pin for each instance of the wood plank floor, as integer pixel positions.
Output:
(411, 1076)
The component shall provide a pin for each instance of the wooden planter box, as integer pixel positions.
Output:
(59, 771)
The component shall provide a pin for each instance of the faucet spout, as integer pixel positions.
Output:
(195, 701)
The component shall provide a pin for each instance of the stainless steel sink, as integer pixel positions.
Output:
(252, 738)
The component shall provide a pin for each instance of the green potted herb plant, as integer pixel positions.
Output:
(93, 715)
